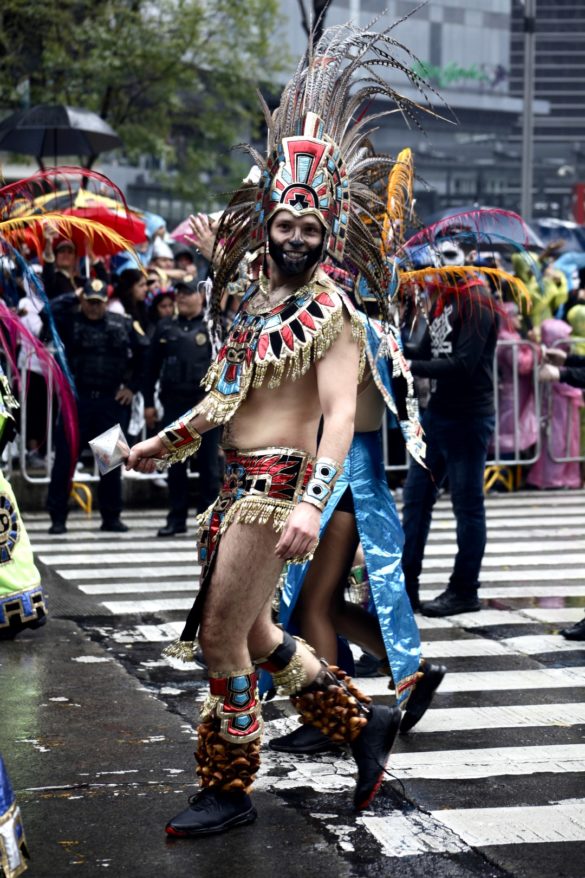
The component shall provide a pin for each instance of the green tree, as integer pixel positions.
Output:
(175, 78)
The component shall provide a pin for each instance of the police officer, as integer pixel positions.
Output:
(179, 357)
(105, 352)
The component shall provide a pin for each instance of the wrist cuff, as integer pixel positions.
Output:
(180, 439)
(320, 486)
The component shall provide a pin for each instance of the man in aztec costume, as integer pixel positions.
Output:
(293, 359)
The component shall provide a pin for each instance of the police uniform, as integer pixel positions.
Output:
(103, 355)
(179, 357)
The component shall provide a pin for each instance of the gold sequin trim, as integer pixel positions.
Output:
(183, 650)
(218, 408)
(292, 678)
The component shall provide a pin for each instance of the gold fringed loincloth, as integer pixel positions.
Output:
(261, 486)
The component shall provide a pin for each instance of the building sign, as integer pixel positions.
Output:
(485, 76)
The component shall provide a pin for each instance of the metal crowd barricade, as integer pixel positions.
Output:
(542, 401)
(498, 458)
(548, 408)
(515, 458)
(27, 476)
(44, 476)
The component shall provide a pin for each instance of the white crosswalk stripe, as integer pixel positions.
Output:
(510, 673)
(458, 830)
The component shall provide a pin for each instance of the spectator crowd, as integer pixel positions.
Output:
(136, 339)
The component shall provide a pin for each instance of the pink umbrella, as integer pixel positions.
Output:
(181, 232)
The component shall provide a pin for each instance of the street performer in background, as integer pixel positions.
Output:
(293, 357)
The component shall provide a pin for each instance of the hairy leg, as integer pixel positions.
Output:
(236, 598)
(236, 616)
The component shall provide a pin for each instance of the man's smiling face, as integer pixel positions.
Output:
(295, 243)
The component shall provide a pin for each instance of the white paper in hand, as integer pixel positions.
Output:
(110, 449)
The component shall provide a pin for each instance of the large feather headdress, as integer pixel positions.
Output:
(318, 157)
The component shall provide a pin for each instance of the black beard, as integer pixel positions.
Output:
(294, 267)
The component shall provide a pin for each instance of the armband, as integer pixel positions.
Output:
(180, 439)
(320, 485)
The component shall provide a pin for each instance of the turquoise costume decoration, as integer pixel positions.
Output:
(379, 530)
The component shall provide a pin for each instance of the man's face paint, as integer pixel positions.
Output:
(293, 247)
(450, 253)
(293, 261)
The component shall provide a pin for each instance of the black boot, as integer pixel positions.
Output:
(422, 695)
(305, 739)
(171, 529)
(575, 632)
(114, 525)
(450, 603)
(211, 811)
(371, 750)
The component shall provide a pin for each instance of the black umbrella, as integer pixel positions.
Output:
(57, 130)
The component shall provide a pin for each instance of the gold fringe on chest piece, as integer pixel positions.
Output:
(295, 358)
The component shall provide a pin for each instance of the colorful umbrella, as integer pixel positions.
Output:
(86, 205)
(181, 232)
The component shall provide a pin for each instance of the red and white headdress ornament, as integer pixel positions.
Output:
(306, 174)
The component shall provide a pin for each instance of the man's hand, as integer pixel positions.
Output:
(124, 396)
(300, 534)
(549, 373)
(555, 356)
(150, 417)
(143, 457)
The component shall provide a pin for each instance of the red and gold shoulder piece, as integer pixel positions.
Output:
(278, 345)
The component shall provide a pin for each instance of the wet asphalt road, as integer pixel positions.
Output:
(97, 731)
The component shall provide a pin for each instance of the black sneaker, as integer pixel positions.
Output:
(116, 526)
(371, 750)
(305, 739)
(422, 695)
(58, 527)
(369, 666)
(211, 811)
(449, 603)
(575, 632)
